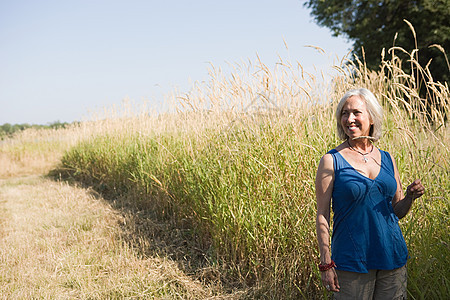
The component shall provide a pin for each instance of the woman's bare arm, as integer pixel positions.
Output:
(324, 189)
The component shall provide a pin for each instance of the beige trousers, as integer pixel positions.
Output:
(377, 284)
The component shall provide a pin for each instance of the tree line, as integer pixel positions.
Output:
(8, 130)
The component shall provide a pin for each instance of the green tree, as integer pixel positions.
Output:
(373, 25)
(57, 124)
(6, 128)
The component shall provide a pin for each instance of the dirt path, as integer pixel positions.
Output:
(59, 241)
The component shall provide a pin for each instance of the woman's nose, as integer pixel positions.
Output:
(351, 117)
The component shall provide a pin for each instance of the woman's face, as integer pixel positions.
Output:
(355, 119)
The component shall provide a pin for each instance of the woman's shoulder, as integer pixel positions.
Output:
(329, 155)
(336, 150)
(385, 153)
(326, 162)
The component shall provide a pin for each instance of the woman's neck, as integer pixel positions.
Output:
(362, 144)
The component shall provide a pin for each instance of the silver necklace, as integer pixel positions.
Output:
(365, 159)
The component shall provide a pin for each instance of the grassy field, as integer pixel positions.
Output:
(231, 173)
(60, 240)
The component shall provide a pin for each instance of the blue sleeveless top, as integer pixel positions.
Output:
(366, 234)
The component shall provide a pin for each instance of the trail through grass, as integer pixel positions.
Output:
(59, 241)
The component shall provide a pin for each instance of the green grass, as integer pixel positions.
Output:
(244, 179)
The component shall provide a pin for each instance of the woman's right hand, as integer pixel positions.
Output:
(330, 280)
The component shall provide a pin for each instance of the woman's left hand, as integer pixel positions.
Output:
(415, 189)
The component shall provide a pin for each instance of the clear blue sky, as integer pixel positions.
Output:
(60, 59)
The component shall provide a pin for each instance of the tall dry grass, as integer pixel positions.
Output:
(236, 165)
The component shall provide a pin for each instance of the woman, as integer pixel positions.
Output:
(368, 251)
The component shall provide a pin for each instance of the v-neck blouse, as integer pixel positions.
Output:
(366, 234)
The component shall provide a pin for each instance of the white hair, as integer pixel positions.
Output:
(373, 108)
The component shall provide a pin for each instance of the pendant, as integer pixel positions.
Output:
(365, 159)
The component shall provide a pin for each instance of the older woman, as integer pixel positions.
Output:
(368, 251)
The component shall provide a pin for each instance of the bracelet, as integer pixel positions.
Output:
(326, 267)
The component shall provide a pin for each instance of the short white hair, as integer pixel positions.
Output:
(373, 108)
